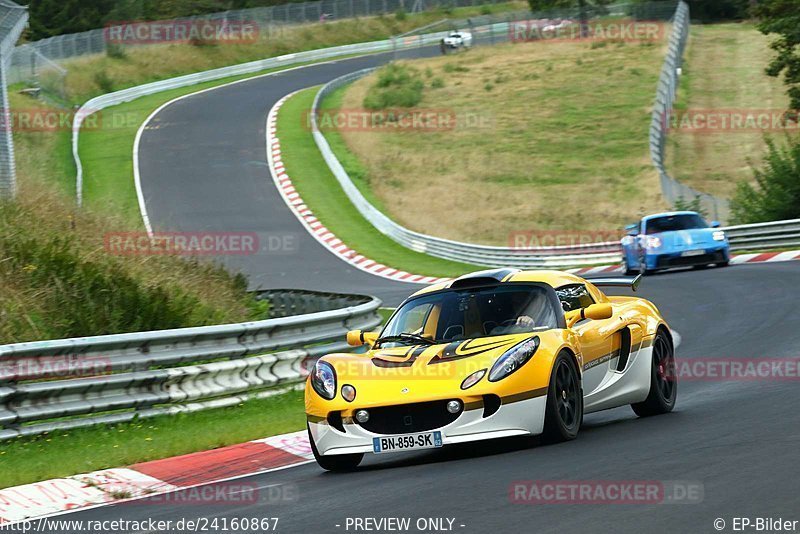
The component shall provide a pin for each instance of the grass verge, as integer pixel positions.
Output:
(323, 194)
(73, 452)
(724, 70)
(546, 137)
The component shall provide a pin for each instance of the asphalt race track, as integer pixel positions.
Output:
(739, 439)
(203, 168)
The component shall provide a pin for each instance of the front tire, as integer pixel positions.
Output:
(663, 379)
(564, 411)
(336, 463)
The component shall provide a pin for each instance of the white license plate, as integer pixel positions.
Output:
(690, 253)
(407, 442)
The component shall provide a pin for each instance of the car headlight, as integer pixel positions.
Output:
(652, 242)
(323, 380)
(719, 235)
(513, 359)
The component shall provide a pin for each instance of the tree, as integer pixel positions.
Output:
(782, 17)
(776, 195)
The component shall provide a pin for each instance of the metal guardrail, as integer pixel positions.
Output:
(672, 190)
(72, 383)
(761, 236)
(548, 257)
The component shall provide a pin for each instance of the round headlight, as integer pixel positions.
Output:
(323, 380)
(349, 393)
(513, 359)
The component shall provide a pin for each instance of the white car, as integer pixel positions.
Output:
(456, 40)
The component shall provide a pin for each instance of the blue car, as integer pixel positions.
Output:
(676, 239)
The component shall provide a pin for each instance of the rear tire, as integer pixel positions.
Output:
(336, 463)
(564, 412)
(663, 379)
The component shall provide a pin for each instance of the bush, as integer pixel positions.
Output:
(776, 194)
(397, 86)
(400, 14)
(437, 83)
(116, 51)
(104, 81)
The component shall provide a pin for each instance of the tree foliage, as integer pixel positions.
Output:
(56, 17)
(776, 194)
(782, 17)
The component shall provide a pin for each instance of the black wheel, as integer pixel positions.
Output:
(564, 412)
(663, 380)
(339, 462)
(724, 263)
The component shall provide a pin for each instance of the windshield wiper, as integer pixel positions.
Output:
(405, 337)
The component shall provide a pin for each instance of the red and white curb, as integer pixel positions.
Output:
(765, 257)
(307, 218)
(159, 477)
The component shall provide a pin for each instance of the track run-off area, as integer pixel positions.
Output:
(202, 167)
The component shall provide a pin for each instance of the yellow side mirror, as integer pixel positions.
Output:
(596, 312)
(358, 338)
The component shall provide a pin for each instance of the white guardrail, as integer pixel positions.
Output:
(73, 383)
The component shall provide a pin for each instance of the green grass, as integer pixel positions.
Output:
(73, 452)
(323, 194)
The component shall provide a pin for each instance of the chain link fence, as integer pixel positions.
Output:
(674, 192)
(32, 61)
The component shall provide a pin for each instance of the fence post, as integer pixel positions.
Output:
(8, 174)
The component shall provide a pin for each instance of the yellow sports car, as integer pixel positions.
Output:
(491, 354)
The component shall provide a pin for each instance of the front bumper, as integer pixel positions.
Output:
(708, 255)
(474, 423)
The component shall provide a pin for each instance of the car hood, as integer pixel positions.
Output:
(419, 371)
(687, 239)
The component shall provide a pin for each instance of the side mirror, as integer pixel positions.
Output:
(715, 224)
(598, 312)
(632, 230)
(358, 338)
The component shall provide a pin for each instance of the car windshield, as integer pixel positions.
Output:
(673, 223)
(460, 314)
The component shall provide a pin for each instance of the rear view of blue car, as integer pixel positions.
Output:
(677, 239)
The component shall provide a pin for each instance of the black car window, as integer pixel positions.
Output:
(674, 223)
